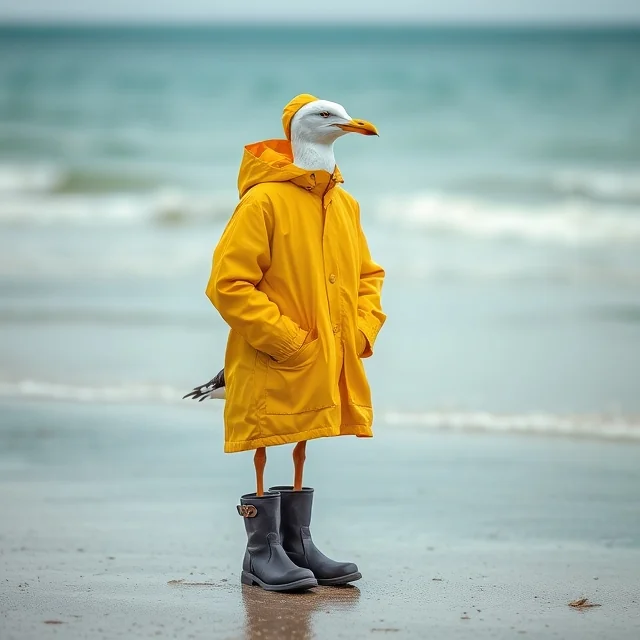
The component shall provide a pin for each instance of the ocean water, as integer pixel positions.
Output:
(502, 197)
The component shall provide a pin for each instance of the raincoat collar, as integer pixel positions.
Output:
(272, 161)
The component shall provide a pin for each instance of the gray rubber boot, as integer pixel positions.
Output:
(265, 562)
(295, 511)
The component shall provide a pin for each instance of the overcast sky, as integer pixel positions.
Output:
(323, 10)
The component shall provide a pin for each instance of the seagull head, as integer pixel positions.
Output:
(323, 122)
(314, 125)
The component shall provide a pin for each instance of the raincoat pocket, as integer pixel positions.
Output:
(299, 357)
(298, 384)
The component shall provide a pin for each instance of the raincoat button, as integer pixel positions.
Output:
(336, 328)
(332, 278)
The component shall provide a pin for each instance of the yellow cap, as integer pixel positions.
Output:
(292, 108)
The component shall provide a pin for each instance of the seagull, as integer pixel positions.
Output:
(312, 142)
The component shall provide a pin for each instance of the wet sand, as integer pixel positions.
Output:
(119, 521)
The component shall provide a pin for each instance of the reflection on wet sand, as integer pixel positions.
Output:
(288, 616)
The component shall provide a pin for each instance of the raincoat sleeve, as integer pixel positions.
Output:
(370, 315)
(240, 260)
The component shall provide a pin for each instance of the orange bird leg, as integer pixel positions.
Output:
(298, 463)
(260, 462)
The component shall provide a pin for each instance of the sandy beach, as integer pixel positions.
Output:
(119, 521)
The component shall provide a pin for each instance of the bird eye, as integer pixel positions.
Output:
(324, 114)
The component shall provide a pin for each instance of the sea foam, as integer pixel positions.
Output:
(606, 426)
(571, 223)
(605, 185)
(38, 178)
(161, 206)
(601, 426)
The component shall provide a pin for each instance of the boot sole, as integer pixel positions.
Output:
(333, 582)
(296, 585)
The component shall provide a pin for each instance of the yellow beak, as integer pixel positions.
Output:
(359, 126)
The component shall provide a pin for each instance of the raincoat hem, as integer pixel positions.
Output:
(360, 430)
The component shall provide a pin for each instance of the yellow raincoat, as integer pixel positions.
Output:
(293, 277)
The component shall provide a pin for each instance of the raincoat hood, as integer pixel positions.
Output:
(272, 161)
(292, 108)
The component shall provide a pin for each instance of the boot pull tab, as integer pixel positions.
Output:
(247, 510)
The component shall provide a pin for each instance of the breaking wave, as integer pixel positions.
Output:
(53, 179)
(598, 185)
(584, 425)
(622, 187)
(50, 195)
(589, 208)
(165, 206)
(117, 394)
(30, 179)
(569, 223)
(601, 426)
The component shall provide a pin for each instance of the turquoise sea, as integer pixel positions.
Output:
(502, 197)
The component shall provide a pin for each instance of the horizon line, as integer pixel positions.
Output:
(381, 23)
